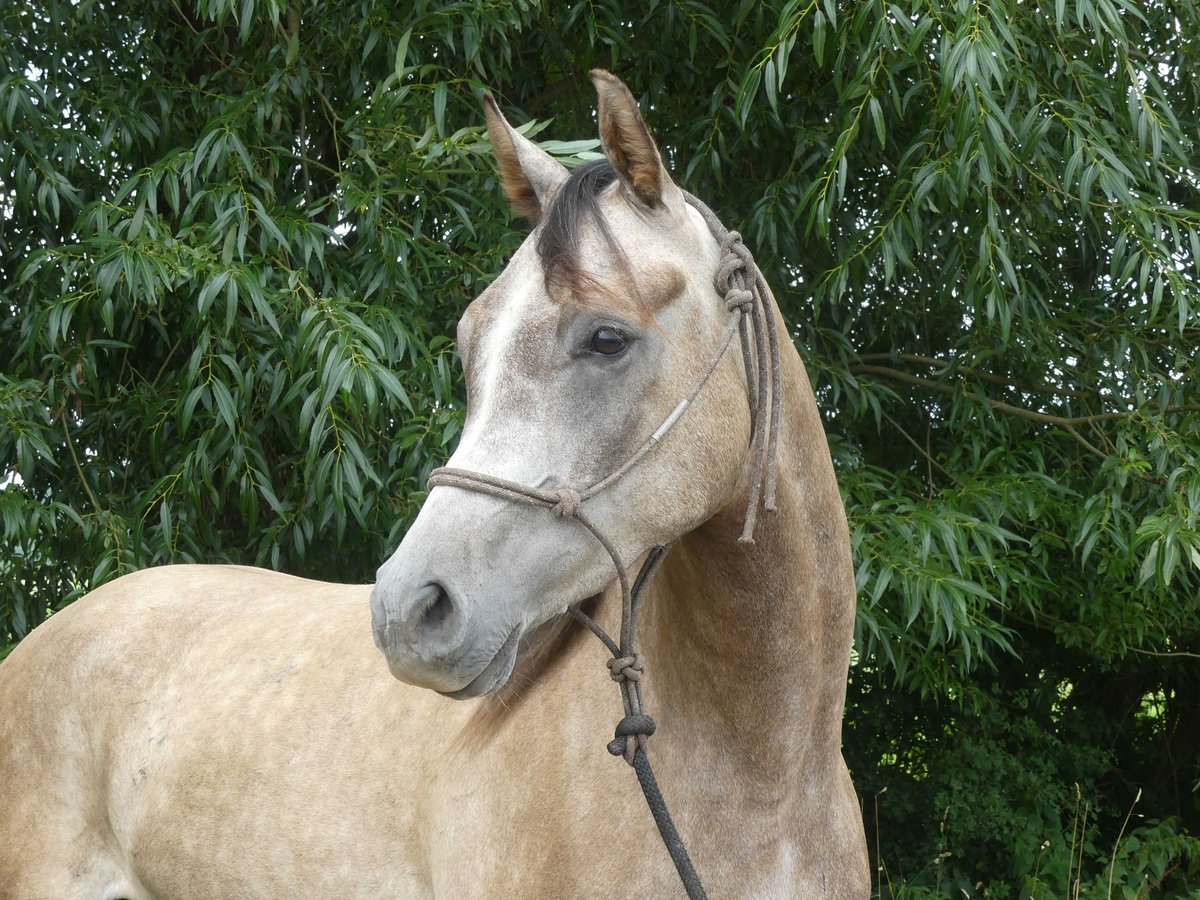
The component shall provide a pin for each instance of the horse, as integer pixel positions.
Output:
(218, 731)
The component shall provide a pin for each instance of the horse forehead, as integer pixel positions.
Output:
(658, 255)
(493, 319)
(519, 305)
(506, 331)
(654, 260)
(515, 280)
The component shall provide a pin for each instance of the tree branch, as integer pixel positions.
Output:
(1165, 653)
(925, 453)
(1066, 422)
(948, 364)
(1088, 445)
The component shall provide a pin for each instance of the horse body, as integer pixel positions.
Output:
(208, 731)
(203, 731)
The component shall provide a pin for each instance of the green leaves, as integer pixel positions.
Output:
(229, 264)
(236, 236)
(939, 573)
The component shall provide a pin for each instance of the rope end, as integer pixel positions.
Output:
(769, 487)
(749, 522)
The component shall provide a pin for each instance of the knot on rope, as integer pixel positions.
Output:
(737, 298)
(729, 275)
(631, 733)
(567, 506)
(628, 668)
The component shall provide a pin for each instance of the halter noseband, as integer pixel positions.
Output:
(752, 312)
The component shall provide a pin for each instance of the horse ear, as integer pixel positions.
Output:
(626, 141)
(529, 174)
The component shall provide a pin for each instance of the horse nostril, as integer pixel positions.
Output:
(432, 617)
(426, 624)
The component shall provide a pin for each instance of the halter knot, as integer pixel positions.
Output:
(567, 506)
(737, 298)
(731, 265)
(627, 668)
(630, 735)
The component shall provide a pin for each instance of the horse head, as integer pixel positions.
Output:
(577, 358)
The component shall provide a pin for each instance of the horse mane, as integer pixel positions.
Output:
(543, 650)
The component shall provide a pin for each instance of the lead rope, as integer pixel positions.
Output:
(752, 313)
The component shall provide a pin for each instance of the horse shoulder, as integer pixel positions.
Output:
(178, 714)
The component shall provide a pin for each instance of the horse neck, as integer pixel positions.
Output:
(748, 645)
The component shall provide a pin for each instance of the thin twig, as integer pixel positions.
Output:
(62, 417)
(1077, 884)
(163, 367)
(1001, 406)
(925, 453)
(1088, 445)
(334, 118)
(1112, 863)
(1074, 833)
(306, 161)
(1166, 653)
(1039, 387)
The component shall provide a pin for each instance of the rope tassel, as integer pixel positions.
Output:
(741, 283)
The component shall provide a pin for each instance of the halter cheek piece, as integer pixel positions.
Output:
(752, 313)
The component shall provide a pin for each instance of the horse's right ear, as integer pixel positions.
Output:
(529, 174)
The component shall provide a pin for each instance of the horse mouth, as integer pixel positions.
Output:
(494, 674)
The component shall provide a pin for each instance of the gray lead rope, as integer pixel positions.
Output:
(751, 309)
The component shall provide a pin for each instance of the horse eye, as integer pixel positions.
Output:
(607, 342)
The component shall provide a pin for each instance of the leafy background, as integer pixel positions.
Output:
(235, 236)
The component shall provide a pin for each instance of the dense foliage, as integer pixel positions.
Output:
(235, 235)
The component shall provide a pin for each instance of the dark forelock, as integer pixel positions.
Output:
(575, 205)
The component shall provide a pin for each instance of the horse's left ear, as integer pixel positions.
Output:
(626, 141)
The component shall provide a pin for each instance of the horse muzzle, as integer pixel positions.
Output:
(429, 638)
(472, 575)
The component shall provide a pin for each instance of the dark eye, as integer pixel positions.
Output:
(607, 342)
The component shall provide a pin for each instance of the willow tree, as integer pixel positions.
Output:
(235, 237)
(235, 242)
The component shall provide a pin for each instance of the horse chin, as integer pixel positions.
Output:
(494, 674)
